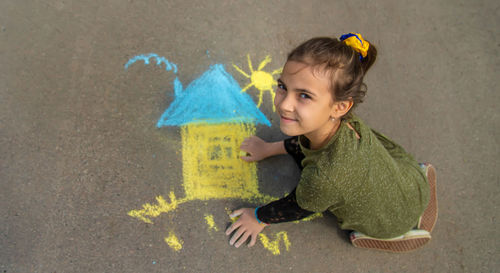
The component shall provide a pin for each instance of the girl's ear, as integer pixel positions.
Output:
(340, 108)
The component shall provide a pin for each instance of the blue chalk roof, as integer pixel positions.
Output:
(214, 97)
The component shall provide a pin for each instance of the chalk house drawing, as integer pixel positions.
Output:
(215, 116)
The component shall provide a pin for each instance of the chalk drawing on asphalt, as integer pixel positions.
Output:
(261, 80)
(274, 246)
(173, 242)
(209, 218)
(159, 61)
(215, 116)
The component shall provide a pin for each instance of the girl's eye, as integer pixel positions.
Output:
(304, 96)
(281, 86)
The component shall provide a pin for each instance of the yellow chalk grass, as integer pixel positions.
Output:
(173, 242)
(274, 246)
(152, 211)
(209, 218)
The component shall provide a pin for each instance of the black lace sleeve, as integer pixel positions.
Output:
(283, 210)
(292, 147)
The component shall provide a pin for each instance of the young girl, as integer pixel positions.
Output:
(376, 190)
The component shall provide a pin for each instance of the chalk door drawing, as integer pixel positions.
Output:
(215, 116)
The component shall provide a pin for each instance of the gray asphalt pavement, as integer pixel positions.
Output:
(80, 151)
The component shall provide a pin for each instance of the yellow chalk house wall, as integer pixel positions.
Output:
(212, 167)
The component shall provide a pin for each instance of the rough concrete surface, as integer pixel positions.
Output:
(80, 147)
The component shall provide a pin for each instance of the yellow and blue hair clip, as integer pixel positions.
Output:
(356, 41)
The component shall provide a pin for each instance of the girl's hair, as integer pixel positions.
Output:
(342, 64)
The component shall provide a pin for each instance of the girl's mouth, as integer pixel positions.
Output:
(287, 120)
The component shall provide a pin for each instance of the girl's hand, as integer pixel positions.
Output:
(255, 147)
(246, 226)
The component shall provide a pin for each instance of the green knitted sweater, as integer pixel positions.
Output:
(371, 184)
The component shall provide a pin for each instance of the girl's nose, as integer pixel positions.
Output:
(287, 103)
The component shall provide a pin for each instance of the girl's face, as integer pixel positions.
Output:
(304, 102)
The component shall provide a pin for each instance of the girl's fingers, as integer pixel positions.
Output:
(253, 240)
(242, 240)
(233, 227)
(244, 152)
(245, 141)
(236, 213)
(236, 236)
(247, 158)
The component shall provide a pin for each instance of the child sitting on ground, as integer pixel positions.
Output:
(376, 189)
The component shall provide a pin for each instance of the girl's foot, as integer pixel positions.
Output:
(429, 217)
(411, 240)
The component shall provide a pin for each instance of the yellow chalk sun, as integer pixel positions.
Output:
(261, 80)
